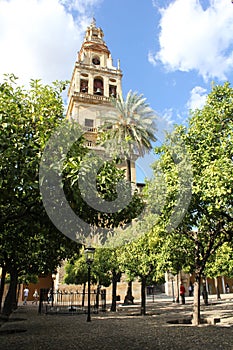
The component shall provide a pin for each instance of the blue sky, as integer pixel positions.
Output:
(170, 51)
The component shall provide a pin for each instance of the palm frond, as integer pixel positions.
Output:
(131, 126)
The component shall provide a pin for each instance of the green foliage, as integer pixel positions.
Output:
(176, 254)
(109, 182)
(221, 263)
(105, 263)
(26, 279)
(29, 243)
(128, 130)
(206, 224)
(138, 259)
(208, 143)
(76, 271)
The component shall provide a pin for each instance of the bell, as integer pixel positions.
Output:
(98, 91)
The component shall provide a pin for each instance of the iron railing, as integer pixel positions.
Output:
(71, 302)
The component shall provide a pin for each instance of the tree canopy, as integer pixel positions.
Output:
(207, 139)
(28, 240)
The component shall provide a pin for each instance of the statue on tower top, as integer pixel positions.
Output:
(93, 23)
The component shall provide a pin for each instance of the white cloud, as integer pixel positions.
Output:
(194, 38)
(151, 58)
(80, 5)
(40, 38)
(197, 98)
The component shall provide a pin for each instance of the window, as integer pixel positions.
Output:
(89, 123)
(84, 85)
(98, 86)
(112, 90)
(96, 60)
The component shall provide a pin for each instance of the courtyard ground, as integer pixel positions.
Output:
(123, 330)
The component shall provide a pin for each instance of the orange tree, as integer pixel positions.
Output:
(29, 243)
(207, 223)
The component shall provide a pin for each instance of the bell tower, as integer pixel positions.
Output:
(95, 80)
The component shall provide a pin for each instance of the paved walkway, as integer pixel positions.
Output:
(123, 330)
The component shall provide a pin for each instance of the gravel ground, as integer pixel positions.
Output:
(123, 330)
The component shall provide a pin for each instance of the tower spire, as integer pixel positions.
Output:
(93, 22)
(95, 79)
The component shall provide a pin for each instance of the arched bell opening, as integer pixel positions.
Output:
(112, 91)
(84, 85)
(98, 86)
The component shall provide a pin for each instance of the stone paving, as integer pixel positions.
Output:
(123, 330)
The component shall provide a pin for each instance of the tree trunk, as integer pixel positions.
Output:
(143, 296)
(177, 288)
(114, 290)
(196, 301)
(18, 293)
(10, 301)
(2, 285)
(128, 170)
(217, 288)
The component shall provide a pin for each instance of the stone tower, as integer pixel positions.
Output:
(95, 80)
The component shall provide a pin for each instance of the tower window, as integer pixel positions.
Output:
(89, 124)
(112, 91)
(98, 86)
(84, 85)
(96, 60)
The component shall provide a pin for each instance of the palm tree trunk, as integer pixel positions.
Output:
(128, 170)
(129, 294)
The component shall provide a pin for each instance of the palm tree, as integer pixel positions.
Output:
(128, 133)
(129, 130)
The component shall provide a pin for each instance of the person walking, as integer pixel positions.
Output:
(35, 296)
(182, 293)
(25, 294)
(190, 289)
(50, 295)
